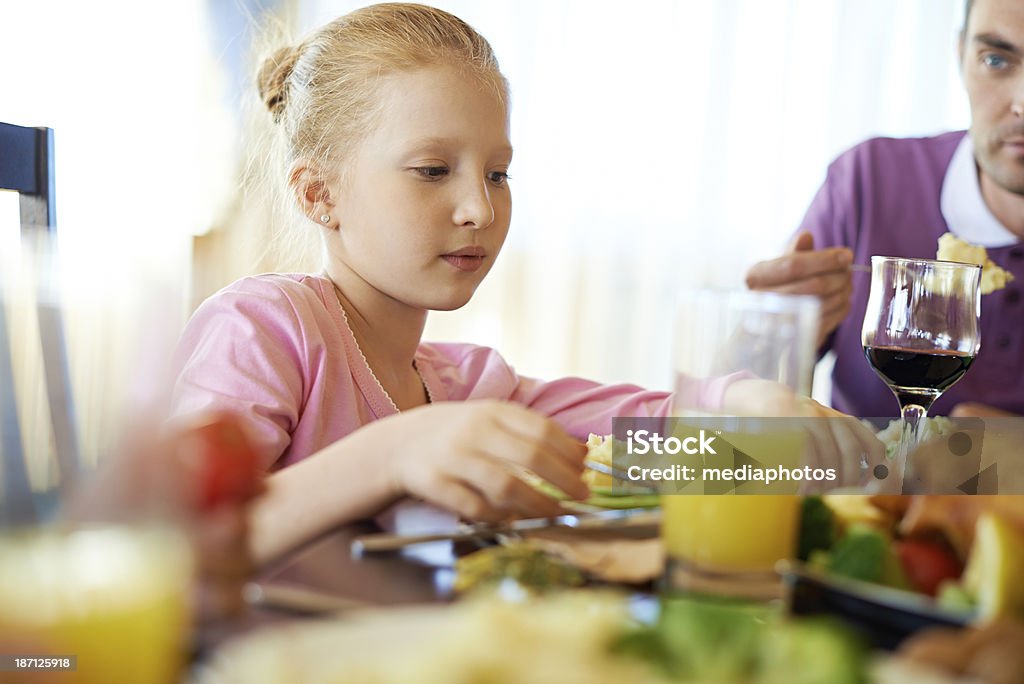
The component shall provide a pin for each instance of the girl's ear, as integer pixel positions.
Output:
(313, 193)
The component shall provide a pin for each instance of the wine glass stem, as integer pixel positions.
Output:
(914, 410)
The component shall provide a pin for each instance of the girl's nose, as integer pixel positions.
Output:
(473, 208)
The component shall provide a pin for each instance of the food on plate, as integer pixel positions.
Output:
(565, 638)
(864, 553)
(990, 654)
(817, 527)
(995, 571)
(697, 640)
(929, 428)
(965, 551)
(850, 509)
(522, 562)
(927, 564)
(955, 517)
(604, 492)
(993, 277)
(599, 450)
(859, 554)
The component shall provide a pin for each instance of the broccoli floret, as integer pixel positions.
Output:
(817, 527)
(812, 651)
(718, 641)
(861, 554)
(713, 640)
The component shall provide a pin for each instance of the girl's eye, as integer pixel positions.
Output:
(432, 172)
(498, 177)
(994, 61)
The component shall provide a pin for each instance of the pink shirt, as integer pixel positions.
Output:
(276, 350)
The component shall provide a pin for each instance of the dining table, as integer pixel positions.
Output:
(327, 568)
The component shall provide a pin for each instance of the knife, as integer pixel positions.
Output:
(295, 599)
(627, 517)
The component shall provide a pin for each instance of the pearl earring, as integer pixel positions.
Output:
(326, 218)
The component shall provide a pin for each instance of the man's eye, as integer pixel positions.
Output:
(432, 172)
(498, 177)
(994, 61)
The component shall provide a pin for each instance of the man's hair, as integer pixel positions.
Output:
(967, 11)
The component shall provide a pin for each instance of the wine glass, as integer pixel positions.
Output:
(920, 333)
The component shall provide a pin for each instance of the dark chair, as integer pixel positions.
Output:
(26, 167)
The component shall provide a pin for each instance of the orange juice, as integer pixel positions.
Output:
(115, 597)
(730, 532)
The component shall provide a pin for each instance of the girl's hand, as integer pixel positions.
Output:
(835, 439)
(468, 457)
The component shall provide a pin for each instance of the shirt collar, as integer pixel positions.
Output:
(964, 208)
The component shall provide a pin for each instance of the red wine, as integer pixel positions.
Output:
(932, 371)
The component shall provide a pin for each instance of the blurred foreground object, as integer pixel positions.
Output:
(202, 477)
(152, 547)
(113, 597)
(992, 654)
(226, 476)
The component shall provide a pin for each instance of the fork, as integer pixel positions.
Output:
(619, 475)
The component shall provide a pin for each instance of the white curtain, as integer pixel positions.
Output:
(661, 144)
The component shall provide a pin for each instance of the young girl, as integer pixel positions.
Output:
(395, 119)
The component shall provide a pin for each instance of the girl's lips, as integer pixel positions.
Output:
(464, 263)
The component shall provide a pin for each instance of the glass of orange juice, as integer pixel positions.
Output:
(740, 359)
(113, 598)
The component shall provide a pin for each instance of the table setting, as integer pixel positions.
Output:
(851, 584)
(889, 573)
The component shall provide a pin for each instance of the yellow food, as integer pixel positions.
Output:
(993, 277)
(995, 570)
(563, 638)
(523, 562)
(599, 450)
(857, 508)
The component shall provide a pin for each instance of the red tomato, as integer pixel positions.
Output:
(225, 466)
(927, 564)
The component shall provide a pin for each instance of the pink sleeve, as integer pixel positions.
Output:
(240, 354)
(582, 406)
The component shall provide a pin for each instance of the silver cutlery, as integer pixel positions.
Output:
(614, 519)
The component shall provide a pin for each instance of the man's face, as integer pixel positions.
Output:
(991, 58)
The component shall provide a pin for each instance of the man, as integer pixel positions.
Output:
(896, 197)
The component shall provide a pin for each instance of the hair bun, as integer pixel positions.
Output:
(272, 79)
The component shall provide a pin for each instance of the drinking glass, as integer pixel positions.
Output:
(112, 597)
(729, 543)
(920, 334)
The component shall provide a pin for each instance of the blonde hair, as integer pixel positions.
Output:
(322, 93)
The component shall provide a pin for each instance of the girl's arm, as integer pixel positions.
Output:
(467, 457)
(319, 493)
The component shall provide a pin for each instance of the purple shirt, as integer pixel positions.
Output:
(883, 198)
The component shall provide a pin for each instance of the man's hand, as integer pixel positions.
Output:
(824, 273)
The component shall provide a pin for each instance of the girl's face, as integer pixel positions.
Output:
(424, 206)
